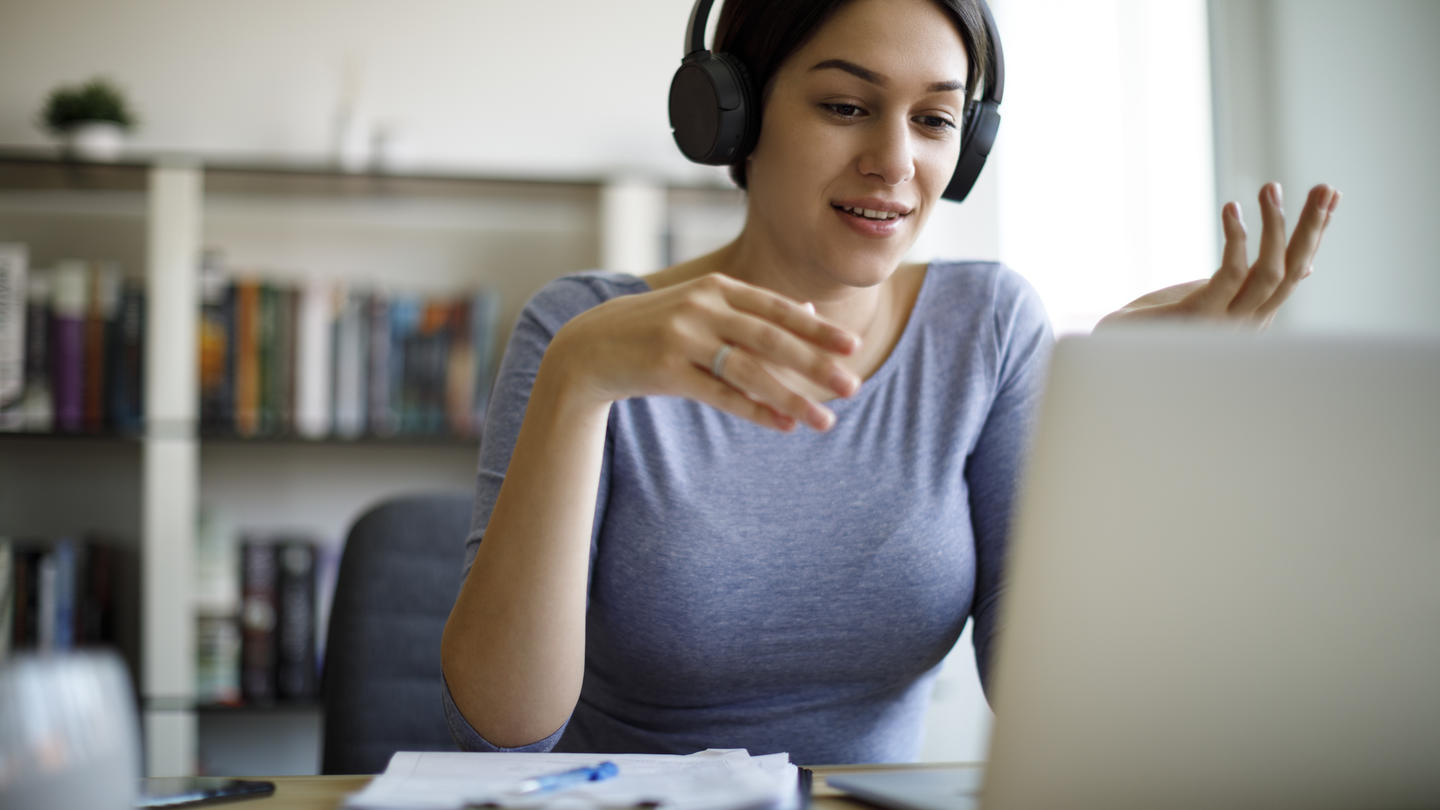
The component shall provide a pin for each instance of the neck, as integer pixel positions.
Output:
(858, 309)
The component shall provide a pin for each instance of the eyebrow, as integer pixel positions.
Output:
(881, 79)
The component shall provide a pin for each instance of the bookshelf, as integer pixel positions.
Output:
(290, 220)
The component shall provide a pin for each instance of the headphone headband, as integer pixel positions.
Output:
(695, 31)
(715, 119)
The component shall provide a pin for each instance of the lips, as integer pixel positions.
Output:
(871, 216)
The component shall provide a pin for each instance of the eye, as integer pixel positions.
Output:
(939, 123)
(843, 110)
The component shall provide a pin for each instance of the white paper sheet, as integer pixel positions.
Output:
(709, 780)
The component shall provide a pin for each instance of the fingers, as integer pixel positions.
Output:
(1215, 297)
(783, 349)
(770, 337)
(747, 375)
(789, 335)
(1269, 269)
(797, 318)
(718, 394)
(1300, 254)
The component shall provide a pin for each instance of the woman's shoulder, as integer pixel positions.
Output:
(569, 295)
(978, 291)
(980, 282)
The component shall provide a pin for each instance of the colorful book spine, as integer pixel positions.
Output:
(268, 365)
(436, 339)
(212, 348)
(460, 373)
(283, 375)
(406, 364)
(67, 356)
(247, 358)
(101, 314)
(14, 261)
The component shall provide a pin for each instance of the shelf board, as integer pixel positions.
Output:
(174, 704)
(366, 440)
(205, 437)
(42, 168)
(23, 435)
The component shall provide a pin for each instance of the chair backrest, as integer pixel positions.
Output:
(399, 575)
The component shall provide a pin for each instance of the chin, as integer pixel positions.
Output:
(863, 271)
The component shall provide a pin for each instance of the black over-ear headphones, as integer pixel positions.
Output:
(716, 118)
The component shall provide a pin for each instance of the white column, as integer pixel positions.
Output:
(632, 217)
(170, 470)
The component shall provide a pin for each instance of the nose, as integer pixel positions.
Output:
(888, 153)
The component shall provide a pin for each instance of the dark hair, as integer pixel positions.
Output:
(763, 33)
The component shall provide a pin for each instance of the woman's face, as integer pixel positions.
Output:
(866, 115)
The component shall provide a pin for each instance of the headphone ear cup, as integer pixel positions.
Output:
(712, 109)
(981, 127)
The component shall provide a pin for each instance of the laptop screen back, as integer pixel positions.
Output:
(1225, 578)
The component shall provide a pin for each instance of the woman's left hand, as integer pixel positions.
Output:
(1239, 291)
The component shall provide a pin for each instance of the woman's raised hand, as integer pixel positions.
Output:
(1240, 291)
(672, 341)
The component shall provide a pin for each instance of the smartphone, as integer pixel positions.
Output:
(186, 791)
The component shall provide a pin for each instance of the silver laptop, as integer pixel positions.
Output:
(1224, 583)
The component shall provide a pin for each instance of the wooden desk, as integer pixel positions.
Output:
(327, 792)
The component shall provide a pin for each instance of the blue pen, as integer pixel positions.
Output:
(557, 781)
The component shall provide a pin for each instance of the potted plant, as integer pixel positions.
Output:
(91, 118)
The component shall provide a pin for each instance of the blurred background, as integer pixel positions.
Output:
(347, 169)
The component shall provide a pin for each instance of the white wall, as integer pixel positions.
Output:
(1311, 91)
(516, 87)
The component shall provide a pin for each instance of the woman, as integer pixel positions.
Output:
(751, 500)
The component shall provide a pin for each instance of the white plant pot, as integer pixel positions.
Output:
(95, 140)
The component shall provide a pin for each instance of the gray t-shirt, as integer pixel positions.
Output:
(791, 592)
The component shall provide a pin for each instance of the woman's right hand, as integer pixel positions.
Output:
(664, 343)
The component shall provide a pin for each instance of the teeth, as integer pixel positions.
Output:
(869, 213)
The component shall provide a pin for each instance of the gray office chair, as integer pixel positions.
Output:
(399, 574)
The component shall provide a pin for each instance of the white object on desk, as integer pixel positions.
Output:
(708, 780)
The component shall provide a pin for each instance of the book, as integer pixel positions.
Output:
(258, 583)
(283, 357)
(67, 348)
(378, 405)
(295, 671)
(313, 368)
(14, 260)
(102, 311)
(63, 594)
(127, 391)
(217, 659)
(405, 364)
(460, 373)
(268, 367)
(351, 363)
(214, 346)
(38, 406)
(62, 602)
(247, 358)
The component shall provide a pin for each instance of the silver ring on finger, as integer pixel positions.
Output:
(717, 363)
